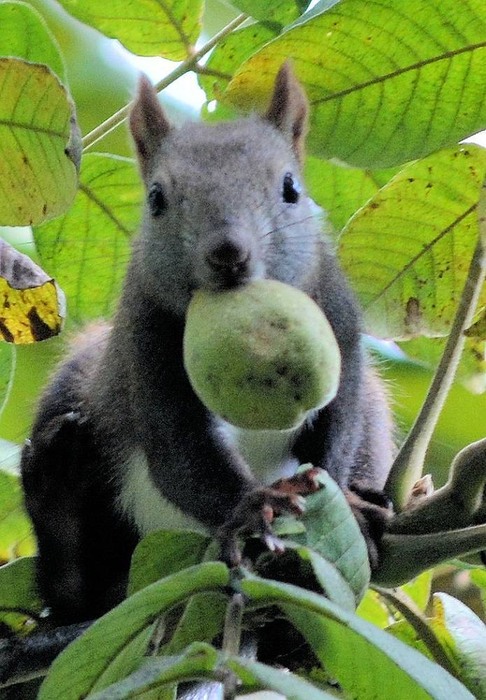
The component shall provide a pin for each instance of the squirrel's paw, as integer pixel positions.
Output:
(372, 509)
(254, 515)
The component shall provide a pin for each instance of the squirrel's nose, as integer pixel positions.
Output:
(227, 255)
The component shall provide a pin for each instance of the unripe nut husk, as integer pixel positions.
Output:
(261, 356)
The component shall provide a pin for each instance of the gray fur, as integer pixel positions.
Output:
(121, 410)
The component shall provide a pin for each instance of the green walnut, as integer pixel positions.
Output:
(260, 356)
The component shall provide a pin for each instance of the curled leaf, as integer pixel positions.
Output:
(32, 306)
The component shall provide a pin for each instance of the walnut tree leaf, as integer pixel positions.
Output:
(40, 144)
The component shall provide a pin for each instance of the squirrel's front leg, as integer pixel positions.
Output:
(192, 462)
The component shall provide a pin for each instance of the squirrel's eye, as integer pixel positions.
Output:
(157, 199)
(291, 189)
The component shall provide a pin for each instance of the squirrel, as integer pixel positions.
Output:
(121, 445)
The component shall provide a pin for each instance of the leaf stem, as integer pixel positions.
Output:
(189, 64)
(408, 465)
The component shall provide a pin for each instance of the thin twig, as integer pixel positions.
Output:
(189, 64)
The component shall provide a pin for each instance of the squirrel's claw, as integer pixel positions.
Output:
(254, 515)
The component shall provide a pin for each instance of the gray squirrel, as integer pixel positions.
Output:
(121, 445)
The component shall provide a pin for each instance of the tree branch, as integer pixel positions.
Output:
(189, 64)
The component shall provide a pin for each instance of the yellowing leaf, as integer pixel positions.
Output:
(39, 144)
(408, 250)
(31, 303)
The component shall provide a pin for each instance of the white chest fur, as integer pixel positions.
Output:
(266, 453)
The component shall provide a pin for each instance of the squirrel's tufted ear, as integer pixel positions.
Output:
(289, 109)
(148, 123)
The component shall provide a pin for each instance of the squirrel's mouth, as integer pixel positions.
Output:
(227, 281)
(228, 277)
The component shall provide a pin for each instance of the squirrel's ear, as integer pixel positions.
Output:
(289, 109)
(148, 123)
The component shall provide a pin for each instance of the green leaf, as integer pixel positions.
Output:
(407, 251)
(407, 634)
(331, 579)
(7, 369)
(87, 249)
(146, 27)
(334, 546)
(280, 681)
(37, 125)
(85, 666)
(203, 661)
(130, 657)
(333, 532)
(17, 587)
(368, 663)
(166, 552)
(18, 596)
(202, 620)
(386, 83)
(478, 577)
(472, 367)
(163, 553)
(463, 635)
(229, 54)
(25, 35)
(15, 528)
(372, 609)
(277, 12)
(303, 566)
(418, 589)
(199, 661)
(341, 190)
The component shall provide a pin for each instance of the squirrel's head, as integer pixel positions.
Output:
(224, 203)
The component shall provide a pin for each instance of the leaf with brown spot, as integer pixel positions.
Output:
(407, 251)
(31, 303)
(40, 144)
